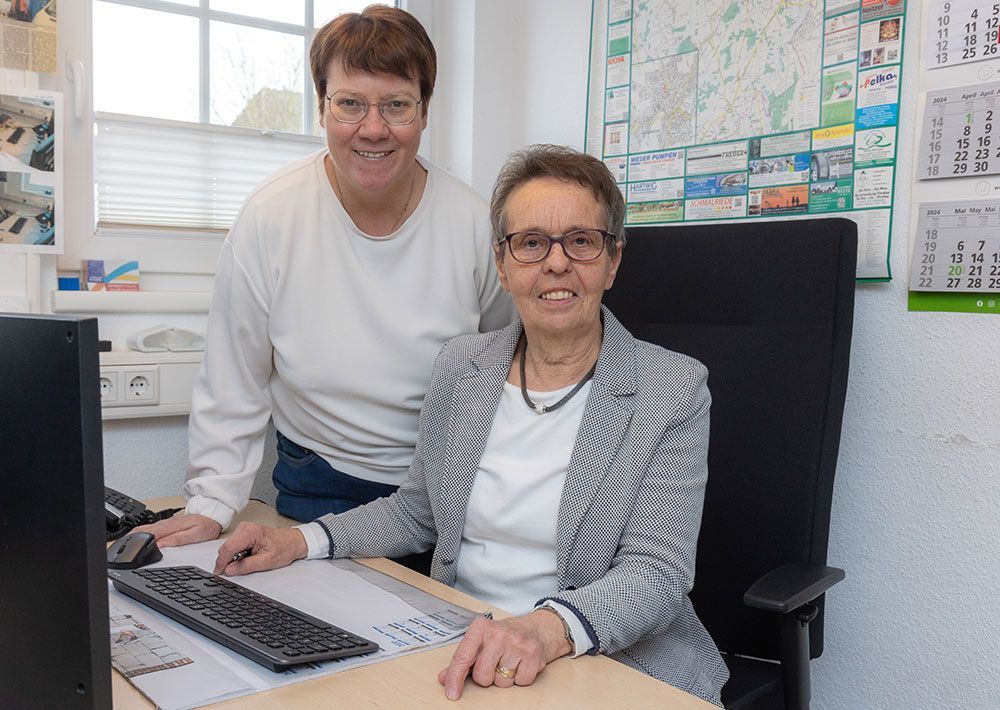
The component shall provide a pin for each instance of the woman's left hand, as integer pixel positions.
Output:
(523, 645)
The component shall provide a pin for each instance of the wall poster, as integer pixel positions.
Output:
(724, 110)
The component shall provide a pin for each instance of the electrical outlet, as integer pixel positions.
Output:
(109, 386)
(140, 385)
(130, 385)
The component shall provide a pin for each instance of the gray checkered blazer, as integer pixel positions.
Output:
(630, 510)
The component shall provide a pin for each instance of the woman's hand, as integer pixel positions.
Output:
(521, 644)
(182, 529)
(269, 548)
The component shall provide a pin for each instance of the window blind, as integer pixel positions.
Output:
(158, 174)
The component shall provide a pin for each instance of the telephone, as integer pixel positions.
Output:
(122, 513)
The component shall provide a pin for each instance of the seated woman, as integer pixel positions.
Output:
(560, 465)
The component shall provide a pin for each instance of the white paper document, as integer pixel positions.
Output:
(177, 668)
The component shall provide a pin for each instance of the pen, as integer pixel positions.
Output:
(241, 554)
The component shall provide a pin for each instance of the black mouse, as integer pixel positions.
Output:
(136, 549)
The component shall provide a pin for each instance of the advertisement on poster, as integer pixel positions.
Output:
(873, 187)
(656, 166)
(619, 39)
(656, 191)
(615, 138)
(833, 137)
(716, 185)
(878, 98)
(717, 158)
(619, 10)
(779, 171)
(830, 196)
(876, 146)
(790, 199)
(618, 69)
(837, 7)
(880, 42)
(618, 166)
(840, 39)
(654, 212)
(616, 104)
(779, 145)
(874, 9)
(716, 208)
(839, 93)
(831, 165)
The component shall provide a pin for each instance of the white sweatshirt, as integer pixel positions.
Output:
(330, 332)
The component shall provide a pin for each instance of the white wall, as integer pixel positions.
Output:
(916, 518)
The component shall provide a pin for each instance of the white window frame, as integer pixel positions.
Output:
(158, 251)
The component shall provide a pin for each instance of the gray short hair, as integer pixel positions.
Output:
(545, 160)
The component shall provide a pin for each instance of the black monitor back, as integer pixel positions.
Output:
(54, 638)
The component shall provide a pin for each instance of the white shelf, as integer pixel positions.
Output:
(130, 301)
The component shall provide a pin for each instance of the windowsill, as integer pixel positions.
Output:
(130, 301)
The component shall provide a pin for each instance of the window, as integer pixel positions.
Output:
(194, 102)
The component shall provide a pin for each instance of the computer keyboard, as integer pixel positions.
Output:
(265, 631)
(18, 225)
(16, 135)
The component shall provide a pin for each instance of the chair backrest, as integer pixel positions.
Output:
(768, 307)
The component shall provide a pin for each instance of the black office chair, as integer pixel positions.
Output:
(768, 307)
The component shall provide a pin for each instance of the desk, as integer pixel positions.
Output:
(411, 681)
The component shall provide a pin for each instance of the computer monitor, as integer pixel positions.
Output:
(54, 633)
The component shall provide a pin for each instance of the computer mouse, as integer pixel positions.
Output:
(136, 549)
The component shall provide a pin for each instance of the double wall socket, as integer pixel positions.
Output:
(130, 385)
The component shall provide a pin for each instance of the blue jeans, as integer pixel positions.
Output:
(309, 487)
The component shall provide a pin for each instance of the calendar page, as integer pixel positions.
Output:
(961, 31)
(957, 247)
(959, 132)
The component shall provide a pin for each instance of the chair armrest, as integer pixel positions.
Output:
(787, 588)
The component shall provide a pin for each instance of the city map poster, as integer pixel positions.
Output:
(725, 110)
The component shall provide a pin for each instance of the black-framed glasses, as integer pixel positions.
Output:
(578, 245)
(395, 109)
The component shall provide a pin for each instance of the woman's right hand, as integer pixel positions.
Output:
(183, 529)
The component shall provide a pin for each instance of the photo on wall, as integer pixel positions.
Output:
(28, 34)
(28, 130)
(30, 171)
(27, 215)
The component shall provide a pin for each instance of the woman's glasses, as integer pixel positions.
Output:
(395, 109)
(578, 245)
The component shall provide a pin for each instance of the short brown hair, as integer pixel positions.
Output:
(378, 40)
(554, 161)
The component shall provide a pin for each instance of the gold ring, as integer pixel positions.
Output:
(506, 672)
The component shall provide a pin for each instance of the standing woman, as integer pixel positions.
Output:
(342, 277)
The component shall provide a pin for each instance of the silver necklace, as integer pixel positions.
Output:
(402, 212)
(543, 408)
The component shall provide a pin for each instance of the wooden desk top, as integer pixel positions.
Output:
(411, 681)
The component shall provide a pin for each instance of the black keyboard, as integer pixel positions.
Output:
(16, 135)
(265, 631)
(18, 225)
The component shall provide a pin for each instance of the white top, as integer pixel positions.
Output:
(330, 332)
(507, 557)
(508, 552)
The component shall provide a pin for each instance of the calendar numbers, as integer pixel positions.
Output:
(959, 132)
(957, 247)
(961, 31)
